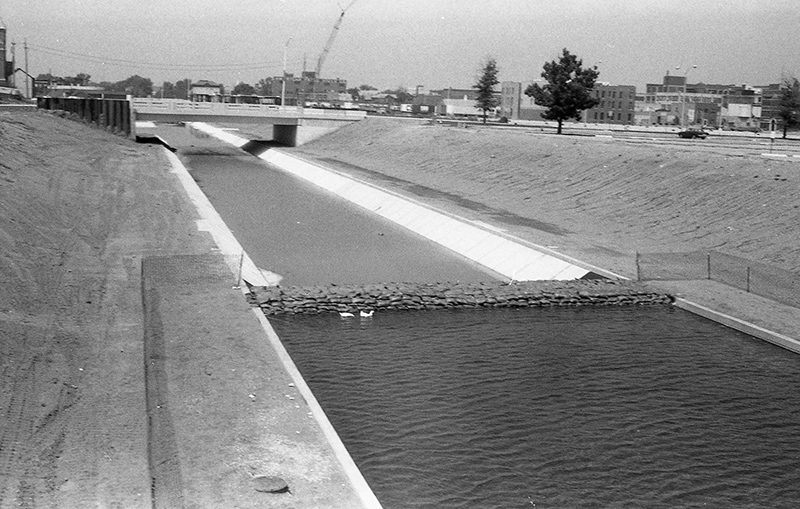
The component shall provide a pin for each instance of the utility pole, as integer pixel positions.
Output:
(283, 81)
(27, 91)
(14, 64)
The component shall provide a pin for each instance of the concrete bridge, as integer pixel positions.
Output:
(289, 125)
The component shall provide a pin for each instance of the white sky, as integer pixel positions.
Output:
(434, 43)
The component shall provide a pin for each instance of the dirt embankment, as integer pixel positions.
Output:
(598, 199)
(77, 205)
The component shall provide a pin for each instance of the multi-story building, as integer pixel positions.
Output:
(676, 102)
(616, 106)
(306, 88)
(515, 105)
(770, 104)
(6, 66)
(206, 91)
(456, 93)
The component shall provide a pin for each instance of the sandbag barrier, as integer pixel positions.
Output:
(426, 296)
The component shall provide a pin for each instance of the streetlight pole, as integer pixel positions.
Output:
(685, 81)
(283, 80)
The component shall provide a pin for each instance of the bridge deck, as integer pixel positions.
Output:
(176, 110)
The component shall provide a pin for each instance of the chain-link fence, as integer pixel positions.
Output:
(754, 277)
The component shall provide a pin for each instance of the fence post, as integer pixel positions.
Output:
(241, 264)
(748, 279)
(638, 269)
(708, 264)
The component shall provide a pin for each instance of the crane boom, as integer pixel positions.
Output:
(331, 38)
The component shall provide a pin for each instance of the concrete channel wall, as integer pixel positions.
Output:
(506, 256)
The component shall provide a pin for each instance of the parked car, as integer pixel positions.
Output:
(693, 133)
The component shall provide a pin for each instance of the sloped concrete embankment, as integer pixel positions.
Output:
(505, 256)
(424, 296)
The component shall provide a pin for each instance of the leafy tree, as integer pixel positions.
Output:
(367, 87)
(789, 105)
(83, 79)
(263, 87)
(47, 77)
(487, 79)
(568, 89)
(167, 90)
(182, 89)
(135, 86)
(243, 89)
(401, 93)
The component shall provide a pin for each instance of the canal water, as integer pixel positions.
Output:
(628, 407)
(570, 408)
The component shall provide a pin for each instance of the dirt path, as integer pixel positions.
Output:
(72, 225)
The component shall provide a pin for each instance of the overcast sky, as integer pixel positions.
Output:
(391, 43)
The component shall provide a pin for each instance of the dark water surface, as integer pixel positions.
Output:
(612, 407)
(311, 237)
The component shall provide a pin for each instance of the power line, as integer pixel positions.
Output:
(155, 65)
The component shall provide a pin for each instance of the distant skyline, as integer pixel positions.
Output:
(433, 43)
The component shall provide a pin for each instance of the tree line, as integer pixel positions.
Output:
(568, 86)
(565, 94)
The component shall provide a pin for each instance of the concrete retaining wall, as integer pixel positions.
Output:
(427, 296)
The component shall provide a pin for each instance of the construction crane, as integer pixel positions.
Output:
(331, 38)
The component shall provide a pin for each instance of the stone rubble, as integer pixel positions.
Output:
(451, 295)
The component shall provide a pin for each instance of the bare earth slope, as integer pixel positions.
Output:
(133, 373)
(74, 202)
(597, 199)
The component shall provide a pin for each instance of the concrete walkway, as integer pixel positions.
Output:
(215, 429)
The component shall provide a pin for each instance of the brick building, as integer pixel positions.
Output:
(617, 105)
(306, 88)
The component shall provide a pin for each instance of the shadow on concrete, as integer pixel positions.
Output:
(152, 139)
(258, 147)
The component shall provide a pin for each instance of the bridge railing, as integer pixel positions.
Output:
(222, 109)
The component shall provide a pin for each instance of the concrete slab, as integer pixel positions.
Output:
(213, 431)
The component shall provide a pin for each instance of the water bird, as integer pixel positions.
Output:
(345, 314)
(366, 314)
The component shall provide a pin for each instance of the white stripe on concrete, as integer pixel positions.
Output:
(357, 480)
(741, 325)
(498, 253)
(211, 222)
